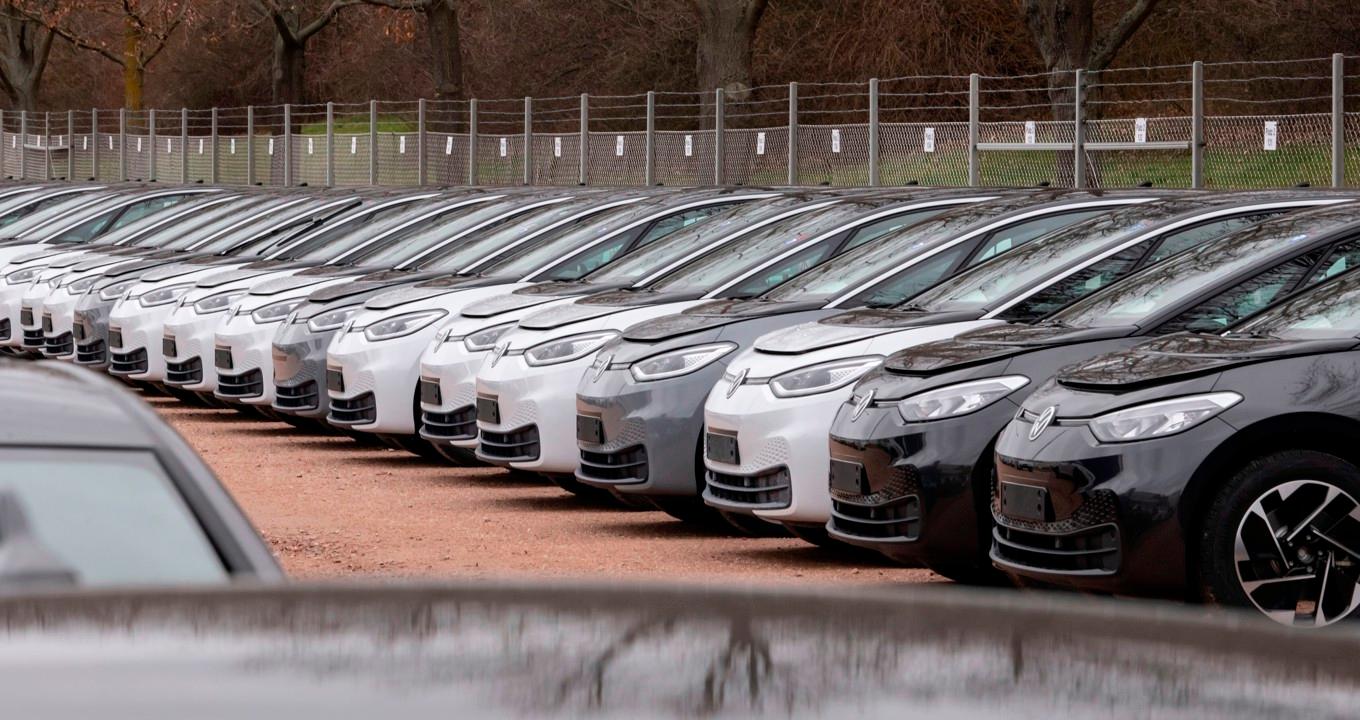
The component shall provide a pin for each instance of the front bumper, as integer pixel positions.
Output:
(537, 414)
(377, 381)
(190, 335)
(58, 324)
(243, 360)
(90, 330)
(139, 355)
(1110, 519)
(298, 356)
(11, 301)
(448, 395)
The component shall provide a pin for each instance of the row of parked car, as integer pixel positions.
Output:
(1144, 392)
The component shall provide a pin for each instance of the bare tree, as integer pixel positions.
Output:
(441, 27)
(291, 34)
(727, 31)
(1066, 35)
(24, 47)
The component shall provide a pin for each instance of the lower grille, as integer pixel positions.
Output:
(33, 338)
(92, 353)
(460, 424)
(4, 329)
(1091, 551)
(768, 490)
(26, 316)
(518, 445)
(625, 466)
(59, 345)
(297, 397)
(128, 363)
(246, 385)
(893, 512)
(47, 322)
(354, 411)
(187, 372)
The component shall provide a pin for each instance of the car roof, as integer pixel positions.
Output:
(67, 406)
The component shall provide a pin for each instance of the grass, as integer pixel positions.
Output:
(358, 125)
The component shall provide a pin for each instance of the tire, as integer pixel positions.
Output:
(690, 510)
(416, 446)
(582, 490)
(456, 456)
(752, 526)
(1307, 493)
(816, 536)
(973, 575)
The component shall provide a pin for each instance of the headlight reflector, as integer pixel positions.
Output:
(217, 303)
(116, 290)
(164, 296)
(81, 286)
(19, 277)
(568, 348)
(484, 339)
(274, 312)
(1161, 418)
(959, 399)
(678, 362)
(401, 325)
(328, 321)
(822, 378)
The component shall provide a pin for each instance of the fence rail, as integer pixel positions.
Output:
(1248, 124)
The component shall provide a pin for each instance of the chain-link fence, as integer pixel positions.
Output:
(1253, 124)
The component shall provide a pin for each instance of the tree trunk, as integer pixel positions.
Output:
(133, 72)
(727, 29)
(441, 20)
(290, 67)
(23, 61)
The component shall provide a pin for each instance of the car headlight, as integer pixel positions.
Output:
(275, 312)
(822, 378)
(959, 399)
(400, 325)
(568, 348)
(116, 290)
(164, 296)
(217, 303)
(81, 286)
(484, 339)
(328, 321)
(19, 277)
(1161, 418)
(678, 362)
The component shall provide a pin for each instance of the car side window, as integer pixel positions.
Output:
(783, 270)
(84, 231)
(1237, 302)
(139, 210)
(1020, 233)
(1077, 285)
(883, 226)
(669, 224)
(908, 283)
(1343, 258)
(1187, 238)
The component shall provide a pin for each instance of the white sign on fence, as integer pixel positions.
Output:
(354, 146)
(928, 140)
(310, 146)
(448, 145)
(233, 146)
(139, 144)
(618, 146)
(505, 147)
(168, 148)
(200, 146)
(1031, 132)
(110, 142)
(689, 145)
(1140, 130)
(760, 143)
(1272, 137)
(271, 146)
(557, 147)
(85, 143)
(835, 140)
(401, 144)
(14, 141)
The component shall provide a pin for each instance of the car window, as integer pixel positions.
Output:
(893, 223)
(110, 517)
(417, 237)
(667, 225)
(1327, 312)
(784, 270)
(1343, 258)
(1077, 285)
(1242, 300)
(27, 209)
(1014, 236)
(345, 234)
(139, 210)
(909, 282)
(1187, 238)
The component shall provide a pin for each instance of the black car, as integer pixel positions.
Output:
(1219, 467)
(98, 491)
(911, 452)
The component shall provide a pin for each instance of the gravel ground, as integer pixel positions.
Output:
(332, 507)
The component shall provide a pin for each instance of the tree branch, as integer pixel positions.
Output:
(1105, 48)
(326, 17)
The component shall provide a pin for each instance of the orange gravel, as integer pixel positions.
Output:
(332, 507)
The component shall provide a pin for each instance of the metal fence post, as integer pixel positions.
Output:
(250, 144)
(1078, 132)
(330, 144)
(974, 112)
(873, 132)
(287, 145)
(1338, 120)
(94, 144)
(1197, 125)
(719, 142)
(4, 169)
(23, 144)
(528, 154)
(421, 173)
(184, 145)
(151, 142)
(214, 168)
(793, 134)
(649, 147)
(472, 142)
(372, 142)
(47, 146)
(70, 144)
(583, 151)
(122, 145)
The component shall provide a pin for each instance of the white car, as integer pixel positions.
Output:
(767, 419)
(526, 388)
(373, 363)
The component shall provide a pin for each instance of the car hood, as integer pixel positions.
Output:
(710, 316)
(274, 286)
(369, 284)
(1184, 356)
(432, 288)
(43, 251)
(190, 265)
(531, 296)
(990, 344)
(246, 272)
(850, 327)
(597, 306)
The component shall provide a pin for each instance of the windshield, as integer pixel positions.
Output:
(1330, 311)
(234, 215)
(499, 235)
(346, 234)
(998, 279)
(407, 242)
(60, 208)
(261, 232)
(1173, 281)
(157, 232)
